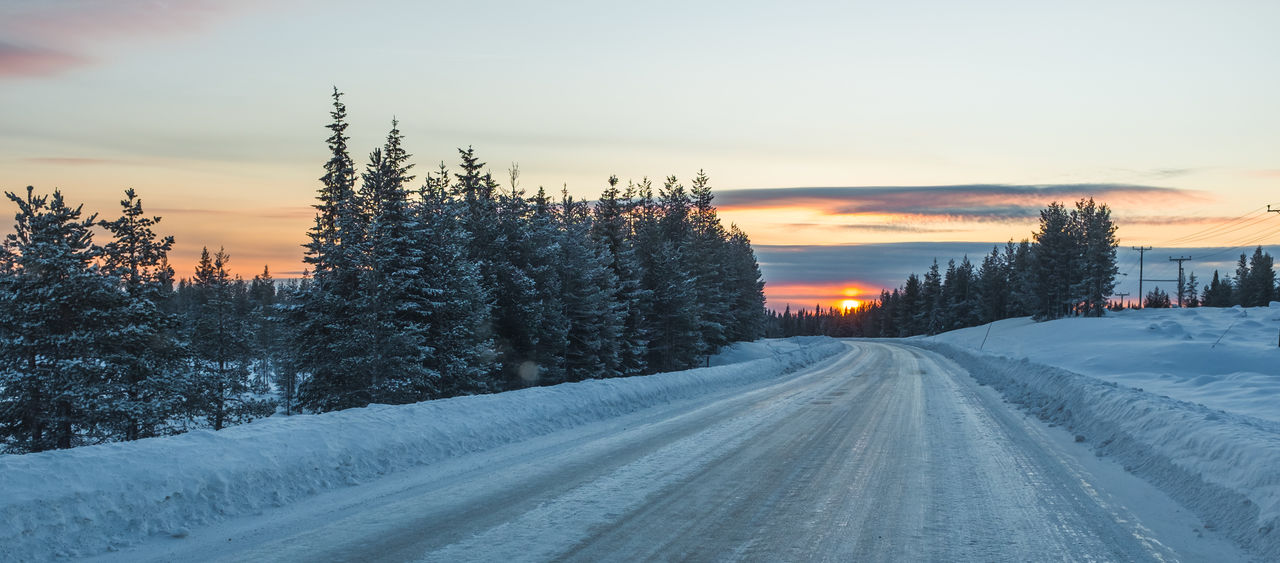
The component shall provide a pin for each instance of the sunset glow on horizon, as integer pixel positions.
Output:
(876, 130)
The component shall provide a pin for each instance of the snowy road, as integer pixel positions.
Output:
(885, 453)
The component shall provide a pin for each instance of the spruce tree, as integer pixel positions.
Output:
(221, 346)
(588, 288)
(1055, 256)
(395, 301)
(1244, 290)
(611, 228)
(331, 339)
(1096, 243)
(1262, 278)
(58, 321)
(457, 311)
(143, 397)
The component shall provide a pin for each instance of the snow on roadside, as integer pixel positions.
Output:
(1222, 358)
(1203, 444)
(96, 498)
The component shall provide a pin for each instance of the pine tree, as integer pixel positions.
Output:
(1054, 263)
(1157, 299)
(395, 301)
(458, 306)
(930, 319)
(1244, 291)
(993, 287)
(709, 263)
(1262, 279)
(57, 318)
(1193, 299)
(1096, 241)
(662, 242)
(746, 305)
(221, 346)
(145, 359)
(264, 330)
(330, 337)
(588, 289)
(612, 229)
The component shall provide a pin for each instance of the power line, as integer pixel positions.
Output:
(1208, 230)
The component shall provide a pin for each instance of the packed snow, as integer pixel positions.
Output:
(99, 498)
(1188, 399)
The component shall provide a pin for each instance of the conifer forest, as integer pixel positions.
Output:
(452, 285)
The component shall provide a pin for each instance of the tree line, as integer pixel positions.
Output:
(456, 286)
(1068, 267)
(1254, 285)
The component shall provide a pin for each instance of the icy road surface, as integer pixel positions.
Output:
(886, 453)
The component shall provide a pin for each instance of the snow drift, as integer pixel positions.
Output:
(1223, 465)
(87, 500)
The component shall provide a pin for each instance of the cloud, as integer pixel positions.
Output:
(53, 35)
(18, 60)
(971, 202)
(285, 212)
(72, 160)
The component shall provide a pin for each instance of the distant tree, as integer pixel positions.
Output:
(930, 317)
(221, 346)
(1244, 290)
(1055, 256)
(1157, 299)
(1261, 280)
(993, 287)
(1190, 291)
(1096, 241)
(1217, 293)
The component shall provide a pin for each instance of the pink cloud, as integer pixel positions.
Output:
(54, 34)
(28, 61)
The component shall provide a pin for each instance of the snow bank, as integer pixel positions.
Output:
(1225, 359)
(87, 500)
(1225, 467)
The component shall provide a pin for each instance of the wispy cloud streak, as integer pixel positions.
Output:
(51, 36)
(970, 202)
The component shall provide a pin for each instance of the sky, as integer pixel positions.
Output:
(853, 141)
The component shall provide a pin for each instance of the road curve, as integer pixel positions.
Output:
(887, 453)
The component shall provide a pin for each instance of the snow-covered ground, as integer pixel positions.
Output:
(1188, 399)
(100, 498)
(1227, 359)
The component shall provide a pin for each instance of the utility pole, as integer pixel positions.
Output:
(1123, 305)
(1142, 252)
(1270, 210)
(1181, 288)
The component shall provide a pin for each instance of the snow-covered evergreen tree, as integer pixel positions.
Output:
(395, 300)
(58, 317)
(457, 316)
(221, 346)
(588, 287)
(1095, 279)
(612, 229)
(143, 396)
(331, 339)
